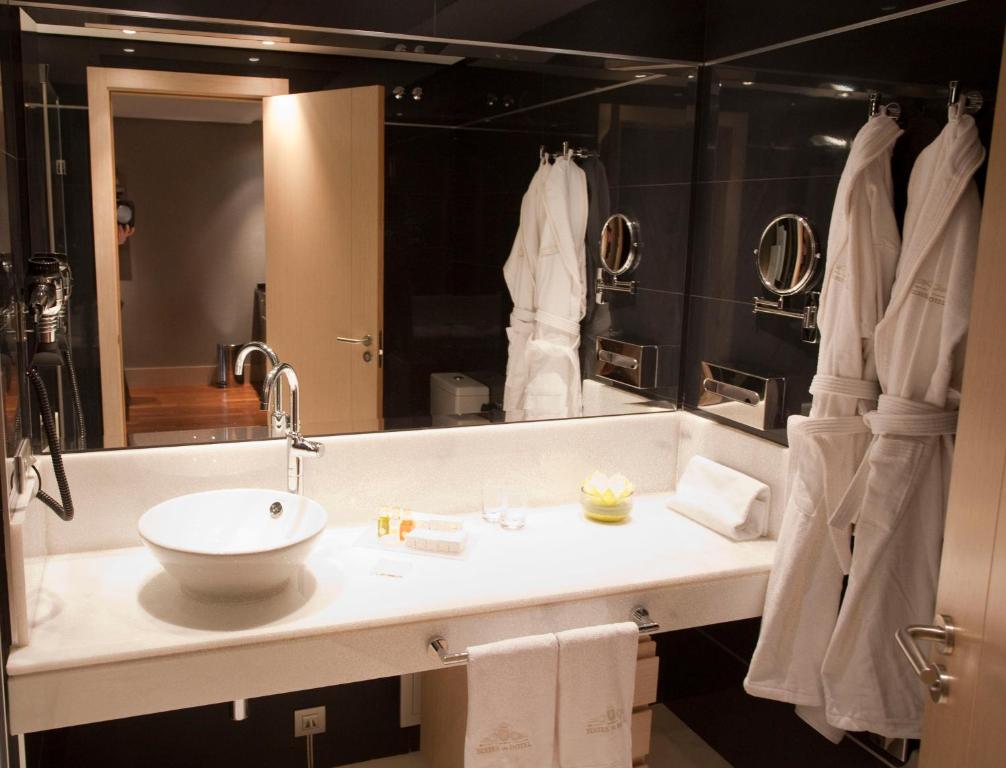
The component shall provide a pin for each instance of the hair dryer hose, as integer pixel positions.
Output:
(64, 510)
(75, 390)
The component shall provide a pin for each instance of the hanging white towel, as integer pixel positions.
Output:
(801, 604)
(729, 502)
(897, 499)
(597, 677)
(511, 703)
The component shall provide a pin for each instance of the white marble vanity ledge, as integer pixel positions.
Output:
(432, 470)
(112, 622)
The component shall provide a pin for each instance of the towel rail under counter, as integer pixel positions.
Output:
(438, 645)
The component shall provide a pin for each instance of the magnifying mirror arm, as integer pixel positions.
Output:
(807, 317)
(603, 286)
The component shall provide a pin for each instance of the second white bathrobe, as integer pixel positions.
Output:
(553, 362)
(898, 498)
(518, 272)
(801, 604)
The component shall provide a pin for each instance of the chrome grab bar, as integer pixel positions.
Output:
(438, 645)
(933, 676)
(365, 341)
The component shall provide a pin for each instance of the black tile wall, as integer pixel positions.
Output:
(361, 724)
(729, 219)
(774, 134)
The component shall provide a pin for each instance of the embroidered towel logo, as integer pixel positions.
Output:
(503, 739)
(611, 720)
(932, 293)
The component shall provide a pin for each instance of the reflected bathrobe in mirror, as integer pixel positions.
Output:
(898, 498)
(802, 600)
(518, 272)
(554, 389)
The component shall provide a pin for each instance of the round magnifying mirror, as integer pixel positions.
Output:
(787, 255)
(619, 244)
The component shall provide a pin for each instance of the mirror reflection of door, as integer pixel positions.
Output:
(216, 231)
(191, 264)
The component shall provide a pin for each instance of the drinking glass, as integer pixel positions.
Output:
(514, 514)
(494, 501)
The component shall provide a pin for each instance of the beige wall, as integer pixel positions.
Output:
(189, 272)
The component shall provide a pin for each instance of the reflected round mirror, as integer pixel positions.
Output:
(787, 255)
(619, 244)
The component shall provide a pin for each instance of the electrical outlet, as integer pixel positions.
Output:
(307, 722)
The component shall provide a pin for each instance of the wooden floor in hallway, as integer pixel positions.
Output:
(192, 407)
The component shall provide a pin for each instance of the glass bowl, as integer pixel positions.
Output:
(605, 513)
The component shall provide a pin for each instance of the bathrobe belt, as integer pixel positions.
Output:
(557, 322)
(520, 315)
(900, 460)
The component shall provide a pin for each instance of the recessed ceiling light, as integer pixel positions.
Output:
(253, 59)
(642, 75)
(268, 42)
(747, 82)
(129, 50)
(129, 31)
(843, 88)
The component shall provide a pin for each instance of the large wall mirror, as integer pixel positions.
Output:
(349, 200)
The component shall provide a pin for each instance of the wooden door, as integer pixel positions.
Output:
(324, 223)
(969, 728)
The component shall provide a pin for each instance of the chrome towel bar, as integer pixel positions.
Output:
(438, 645)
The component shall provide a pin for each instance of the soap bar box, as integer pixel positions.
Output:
(443, 535)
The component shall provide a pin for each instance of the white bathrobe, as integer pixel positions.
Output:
(518, 272)
(898, 498)
(553, 364)
(802, 601)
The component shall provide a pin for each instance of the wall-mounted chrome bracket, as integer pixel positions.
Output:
(807, 317)
(604, 284)
(24, 460)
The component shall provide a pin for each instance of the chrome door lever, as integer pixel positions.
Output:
(933, 676)
(365, 341)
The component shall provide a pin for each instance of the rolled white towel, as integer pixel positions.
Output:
(720, 498)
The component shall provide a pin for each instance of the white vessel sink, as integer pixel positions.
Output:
(228, 544)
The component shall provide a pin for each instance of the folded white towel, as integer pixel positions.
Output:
(723, 499)
(511, 703)
(597, 678)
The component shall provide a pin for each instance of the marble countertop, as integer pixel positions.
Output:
(114, 636)
(93, 608)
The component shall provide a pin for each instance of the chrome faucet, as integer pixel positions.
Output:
(277, 419)
(297, 448)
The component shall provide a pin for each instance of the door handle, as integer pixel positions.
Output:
(365, 341)
(933, 676)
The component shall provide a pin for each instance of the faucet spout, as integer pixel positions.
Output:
(297, 447)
